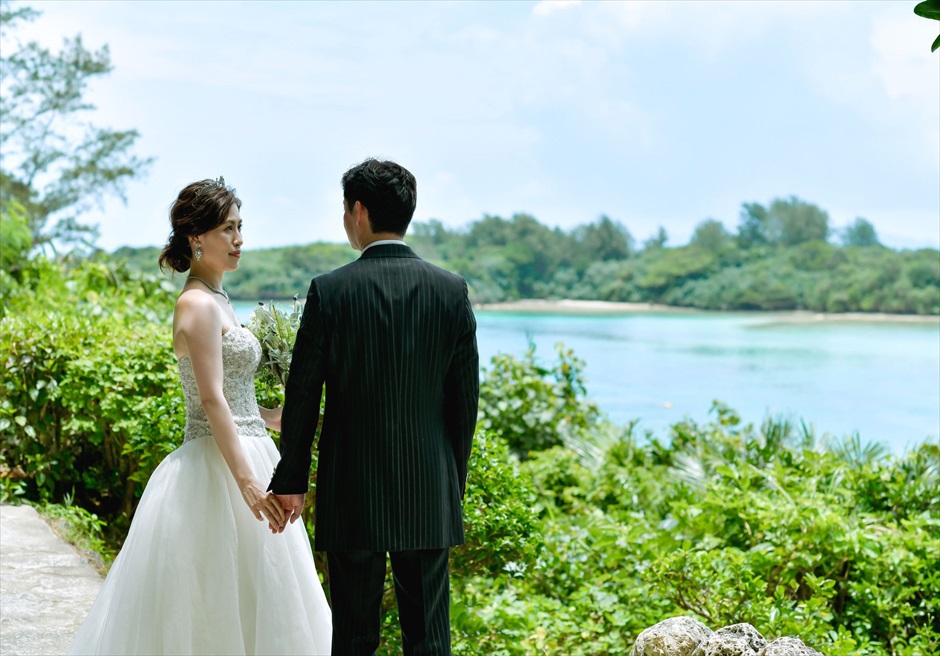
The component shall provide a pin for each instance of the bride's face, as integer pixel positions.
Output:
(221, 246)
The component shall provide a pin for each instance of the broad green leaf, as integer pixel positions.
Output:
(928, 9)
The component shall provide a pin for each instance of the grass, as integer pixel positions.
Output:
(82, 529)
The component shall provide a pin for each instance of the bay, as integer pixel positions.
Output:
(879, 379)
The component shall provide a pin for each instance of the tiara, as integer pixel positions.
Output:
(209, 186)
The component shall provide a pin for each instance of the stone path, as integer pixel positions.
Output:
(46, 588)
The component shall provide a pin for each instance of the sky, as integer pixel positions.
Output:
(651, 113)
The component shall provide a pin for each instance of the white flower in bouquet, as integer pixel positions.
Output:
(276, 329)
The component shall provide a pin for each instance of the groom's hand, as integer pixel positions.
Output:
(293, 505)
(264, 505)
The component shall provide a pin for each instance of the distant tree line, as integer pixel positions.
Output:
(783, 256)
(265, 274)
(780, 258)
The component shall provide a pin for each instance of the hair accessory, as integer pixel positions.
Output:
(198, 252)
(209, 186)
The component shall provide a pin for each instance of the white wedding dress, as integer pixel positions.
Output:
(198, 574)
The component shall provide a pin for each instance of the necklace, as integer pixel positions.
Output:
(220, 292)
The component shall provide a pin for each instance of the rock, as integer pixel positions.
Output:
(734, 640)
(788, 647)
(677, 636)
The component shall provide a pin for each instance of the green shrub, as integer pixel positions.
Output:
(91, 401)
(835, 542)
(533, 406)
(82, 529)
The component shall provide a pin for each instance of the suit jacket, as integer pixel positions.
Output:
(393, 339)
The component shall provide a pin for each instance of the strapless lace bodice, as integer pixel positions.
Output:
(241, 353)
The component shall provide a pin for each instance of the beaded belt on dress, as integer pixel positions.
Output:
(246, 426)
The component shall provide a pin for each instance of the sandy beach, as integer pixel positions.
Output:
(607, 308)
(568, 306)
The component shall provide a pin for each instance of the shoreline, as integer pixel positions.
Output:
(611, 308)
(584, 308)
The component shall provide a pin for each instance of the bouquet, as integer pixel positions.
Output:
(276, 329)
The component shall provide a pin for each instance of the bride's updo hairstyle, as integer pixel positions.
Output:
(200, 207)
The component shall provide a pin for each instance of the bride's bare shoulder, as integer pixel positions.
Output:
(196, 309)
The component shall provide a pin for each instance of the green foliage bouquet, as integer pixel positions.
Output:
(276, 329)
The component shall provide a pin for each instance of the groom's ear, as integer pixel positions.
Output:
(361, 212)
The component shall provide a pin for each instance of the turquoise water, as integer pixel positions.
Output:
(879, 379)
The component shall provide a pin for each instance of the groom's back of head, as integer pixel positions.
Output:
(388, 190)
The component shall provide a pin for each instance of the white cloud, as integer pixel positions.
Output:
(902, 59)
(711, 27)
(548, 7)
(910, 74)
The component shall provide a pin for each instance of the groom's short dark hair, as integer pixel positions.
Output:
(388, 190)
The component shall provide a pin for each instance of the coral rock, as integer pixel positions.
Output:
(677, 636)
(734, 640)
(788, 647)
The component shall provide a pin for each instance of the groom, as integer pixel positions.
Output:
(393, 338)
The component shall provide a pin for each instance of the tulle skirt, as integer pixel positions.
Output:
(198, 574)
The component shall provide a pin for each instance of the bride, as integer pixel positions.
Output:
(198, 572)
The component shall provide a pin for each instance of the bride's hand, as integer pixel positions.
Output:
(293, 505)
(272, 417)
(264, 505)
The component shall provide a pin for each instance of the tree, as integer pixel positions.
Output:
(751, 227)
(434, 231)
(710, 235)
(656, 241)
(603, 240)
(791, 221)
(860, 233)
(15, 244)
(787, 222)
(53, 162)
(673, 266)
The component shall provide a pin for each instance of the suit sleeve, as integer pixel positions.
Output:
(302, 399)
(462, 391)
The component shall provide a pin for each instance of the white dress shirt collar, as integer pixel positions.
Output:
(382, 242)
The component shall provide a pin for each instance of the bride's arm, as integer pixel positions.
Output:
(199, 323)
(272, 417)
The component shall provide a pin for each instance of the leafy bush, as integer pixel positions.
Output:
(17, 241)
(90, 396)
(535, 407)
(82, 529)
(499, 515)
(831, 541)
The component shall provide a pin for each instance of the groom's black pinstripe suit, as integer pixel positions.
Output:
(393, 339)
